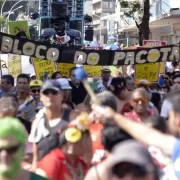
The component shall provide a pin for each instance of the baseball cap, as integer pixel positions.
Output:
(36, 83)
(131, 151)
(105, 69)
(50, 84)
(64, 83)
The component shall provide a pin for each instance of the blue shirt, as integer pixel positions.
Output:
(13, 91)
(176, 158)
(2, 92)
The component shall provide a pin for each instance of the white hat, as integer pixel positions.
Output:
(32, 75)
(64, 83)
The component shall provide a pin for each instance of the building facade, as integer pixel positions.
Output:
(164, 23)
(103, 13)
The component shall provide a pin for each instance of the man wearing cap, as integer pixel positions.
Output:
(104, 83)
(169, 144)
(49, 120)
(132, 165)
(30, 110)
(128, 160)
(33, 77)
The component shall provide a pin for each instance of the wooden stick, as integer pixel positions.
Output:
(90, 92)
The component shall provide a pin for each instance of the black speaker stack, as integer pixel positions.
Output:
(89, 33)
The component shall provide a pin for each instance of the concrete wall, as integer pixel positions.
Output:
(88, 7)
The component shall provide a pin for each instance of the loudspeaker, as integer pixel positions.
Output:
(89, 34)
(59, 9)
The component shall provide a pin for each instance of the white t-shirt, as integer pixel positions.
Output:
(100, 87)
(166, 107)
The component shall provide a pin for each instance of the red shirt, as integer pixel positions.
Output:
(156, 153)
(98, 148)
(53, 164)
(126, 108)
(135, 117)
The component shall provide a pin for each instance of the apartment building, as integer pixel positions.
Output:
(103, 13)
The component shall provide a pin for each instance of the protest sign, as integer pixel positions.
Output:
(4, 64)
(64, 68)
(114, 71)
(56, 53)
(156, 43)
(14, 65)
(19, 29)
(161, 67)
(149, 72)
(42, 66)
(93, 71)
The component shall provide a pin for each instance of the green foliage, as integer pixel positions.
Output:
(132, 7)
(87, 18)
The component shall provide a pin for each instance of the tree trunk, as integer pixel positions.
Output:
(140, 33)
(145, 20)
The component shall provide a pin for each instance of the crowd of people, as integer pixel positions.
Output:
(53, 130)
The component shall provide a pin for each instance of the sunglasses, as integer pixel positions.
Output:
(143, 100)
(35, 90)
(11, 150)
(50, 91)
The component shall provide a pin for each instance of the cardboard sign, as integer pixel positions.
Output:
(114, 71)
(64, 68)
(91, 47)
(149, 72)
(93, 71)
(4, 64)
(17, 27)
(14, 65)
(42, 66)
(155, 43)
(161, 67)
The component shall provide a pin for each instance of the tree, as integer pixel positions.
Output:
(139, 11)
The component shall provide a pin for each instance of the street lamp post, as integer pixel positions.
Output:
(101, 22)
